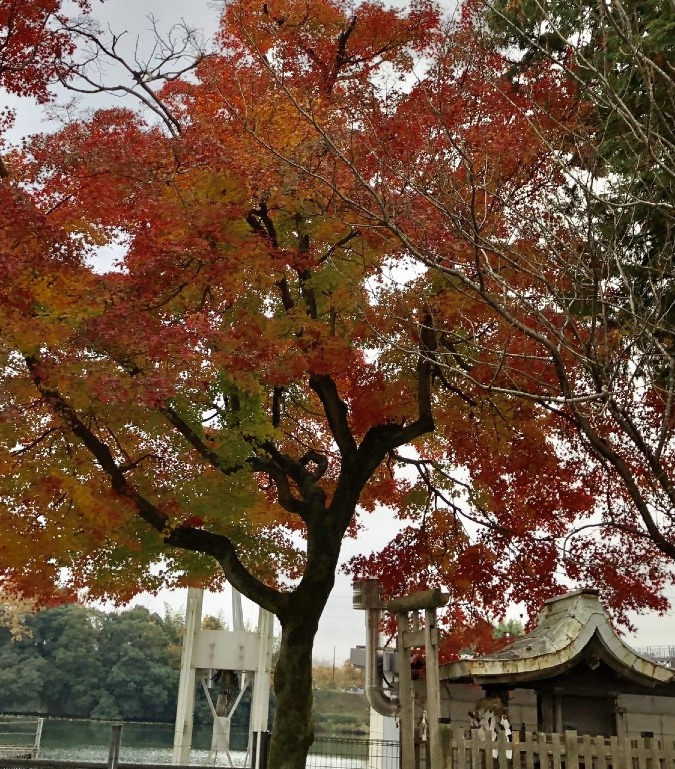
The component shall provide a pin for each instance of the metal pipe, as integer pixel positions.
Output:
(379, 701)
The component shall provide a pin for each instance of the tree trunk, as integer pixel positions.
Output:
(293, 724)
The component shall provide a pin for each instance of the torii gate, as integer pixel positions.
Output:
(407, 610)
(246, 652)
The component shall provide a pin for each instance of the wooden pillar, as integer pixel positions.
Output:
(557, 710)
(115, 742)
(427, 601)
(546, 708)
(433, 688)
(405, 695)
(620, 718)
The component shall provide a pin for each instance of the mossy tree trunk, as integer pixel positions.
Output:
(294, 726)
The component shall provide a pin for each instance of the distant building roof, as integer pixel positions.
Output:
(571, 628)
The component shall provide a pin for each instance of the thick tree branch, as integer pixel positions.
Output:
(319, 461)
(222, 549)
(303, 272)
(280, 479)
(382, 439)
(197, 540)
(336, 413)
(198, 443)
(312, 494)
(260, 221)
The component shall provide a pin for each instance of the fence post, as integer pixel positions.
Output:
(261, 749)
(115, 741)
(447, 735)
(571, 749)
(646, 750)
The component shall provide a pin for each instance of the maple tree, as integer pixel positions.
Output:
(534, 195)
(190, 408)
(312, 256)
(33, 45)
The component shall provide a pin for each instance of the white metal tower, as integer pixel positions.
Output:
(248, 654)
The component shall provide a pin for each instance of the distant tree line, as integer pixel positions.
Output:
(328, 675)
(82, 662)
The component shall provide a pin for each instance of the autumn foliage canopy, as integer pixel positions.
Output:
(283, 333)
(347, 259)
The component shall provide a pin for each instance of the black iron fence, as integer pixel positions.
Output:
(352, 753)
(325, 753)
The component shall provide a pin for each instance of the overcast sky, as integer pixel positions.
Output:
(133, 15)
(343, 627)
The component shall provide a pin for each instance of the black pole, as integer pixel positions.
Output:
(115, 742)
(261, 750)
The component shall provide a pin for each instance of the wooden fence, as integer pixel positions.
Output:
(553, 751)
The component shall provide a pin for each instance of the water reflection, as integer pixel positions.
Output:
(141, 743)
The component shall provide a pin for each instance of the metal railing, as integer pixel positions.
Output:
(353, 753)
(20, 738)
(663, 654)
(325, 753)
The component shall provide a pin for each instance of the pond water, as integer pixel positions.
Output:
(146, 743)
(74, 740)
